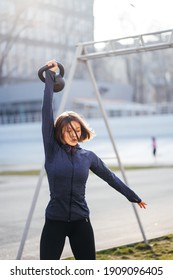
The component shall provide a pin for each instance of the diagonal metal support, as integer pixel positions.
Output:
(30, 215)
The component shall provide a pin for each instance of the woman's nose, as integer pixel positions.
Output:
(73, 133)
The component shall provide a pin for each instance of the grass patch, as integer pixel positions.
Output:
(20, 173)
(157, 249)
(138, 167)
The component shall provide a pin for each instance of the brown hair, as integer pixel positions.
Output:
(65, 118)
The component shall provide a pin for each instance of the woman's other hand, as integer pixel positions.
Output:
(142, 204)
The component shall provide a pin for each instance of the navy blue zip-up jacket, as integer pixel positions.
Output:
(68, 169)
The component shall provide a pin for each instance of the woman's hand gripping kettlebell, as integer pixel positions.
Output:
(54, 64)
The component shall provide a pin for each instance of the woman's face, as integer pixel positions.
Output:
(71, 133)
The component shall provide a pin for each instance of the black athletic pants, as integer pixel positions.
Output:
(80, 235)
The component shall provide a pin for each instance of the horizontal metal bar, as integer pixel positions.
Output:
(124, 38)
(117, 47)
(125, 51)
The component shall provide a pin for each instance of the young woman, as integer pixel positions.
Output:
(67, 166)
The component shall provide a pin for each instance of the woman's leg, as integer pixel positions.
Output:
(82, 240)
(52, 240)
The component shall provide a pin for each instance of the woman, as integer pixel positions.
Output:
(67, 166)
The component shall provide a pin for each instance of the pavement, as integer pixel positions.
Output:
(112, 216)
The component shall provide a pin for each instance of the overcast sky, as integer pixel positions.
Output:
(114, 19)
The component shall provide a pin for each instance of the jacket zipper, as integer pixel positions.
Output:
(71, 190)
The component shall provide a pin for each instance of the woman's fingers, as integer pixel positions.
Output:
(142, 204)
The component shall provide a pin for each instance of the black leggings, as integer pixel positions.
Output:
(80, 235)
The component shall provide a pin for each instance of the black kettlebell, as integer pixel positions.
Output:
(59, 82)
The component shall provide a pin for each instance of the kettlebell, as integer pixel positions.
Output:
(59, 82)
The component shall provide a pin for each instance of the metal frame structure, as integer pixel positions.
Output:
(95, 50)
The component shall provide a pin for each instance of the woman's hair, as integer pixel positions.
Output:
(66, 118)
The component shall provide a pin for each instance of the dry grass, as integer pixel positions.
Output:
(156, 249)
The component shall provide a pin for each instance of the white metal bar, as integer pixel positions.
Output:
(86, 44)
(143, 44)
(122, 51)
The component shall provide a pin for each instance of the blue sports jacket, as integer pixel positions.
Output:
(68, 169)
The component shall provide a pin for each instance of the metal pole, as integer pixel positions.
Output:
(30, 214)
(88, 64)
(70, 79)
(42, 172)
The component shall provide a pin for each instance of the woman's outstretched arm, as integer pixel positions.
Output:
(47, 111)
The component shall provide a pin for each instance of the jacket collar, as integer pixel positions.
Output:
(69, 148)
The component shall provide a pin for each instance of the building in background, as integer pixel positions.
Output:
(20, 104)
(31, 33)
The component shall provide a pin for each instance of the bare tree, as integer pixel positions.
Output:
(15, 25)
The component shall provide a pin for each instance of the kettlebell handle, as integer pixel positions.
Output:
(46, 67)
(59, 82)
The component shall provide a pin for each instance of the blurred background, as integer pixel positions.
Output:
(136, 89)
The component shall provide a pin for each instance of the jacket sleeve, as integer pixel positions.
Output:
(100, 169)
(47, 113)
